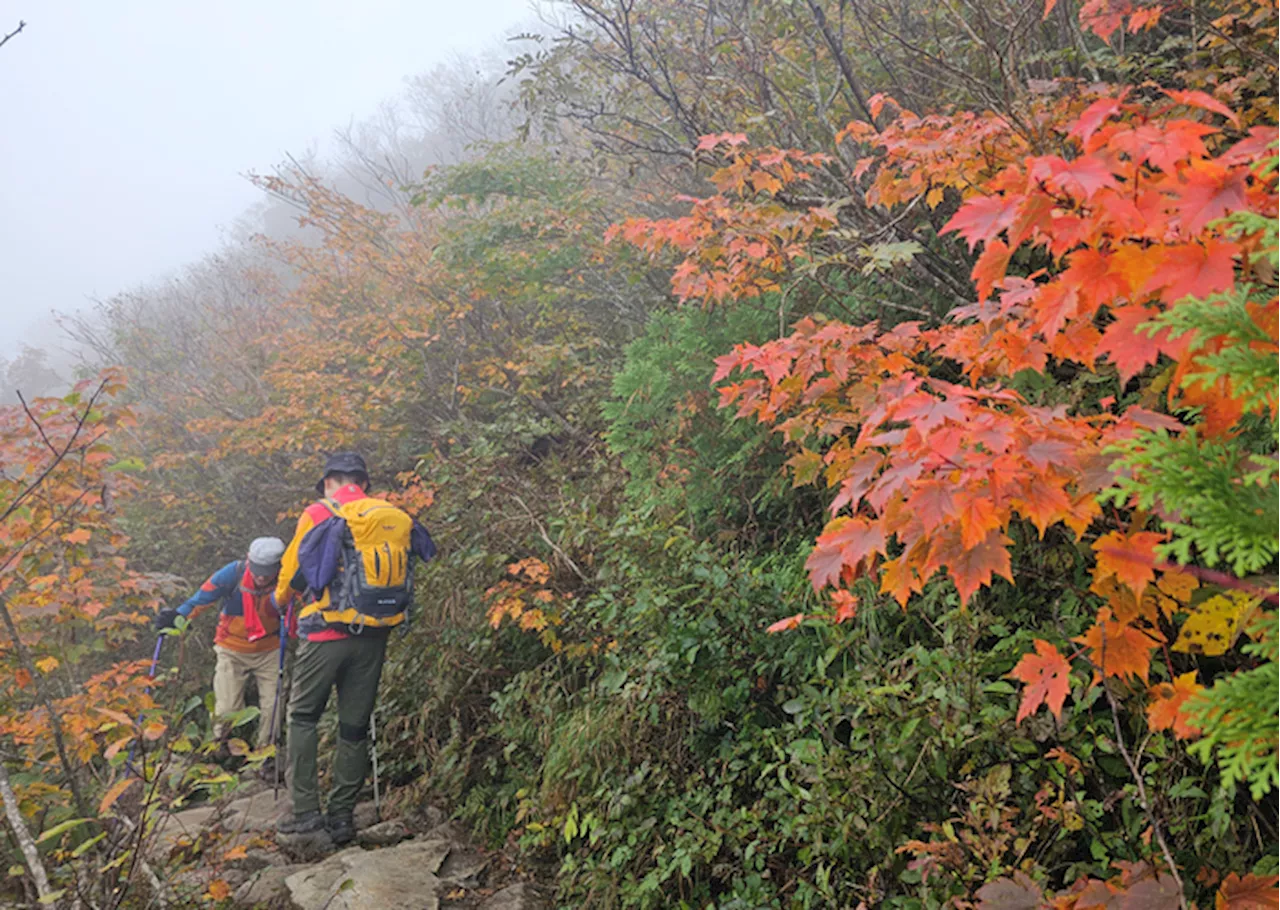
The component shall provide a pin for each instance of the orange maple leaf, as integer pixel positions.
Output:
(846, 604)
(1131, 559)
(784, 625)
(1252, 892)
(846, 543)
(1047, 675)
(1165, 712)
(219, 890)
(78, 536)
(1118, 650)
(973, 567)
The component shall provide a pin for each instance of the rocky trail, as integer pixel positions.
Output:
(230, 850)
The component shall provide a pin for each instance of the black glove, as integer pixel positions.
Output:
(166, 619)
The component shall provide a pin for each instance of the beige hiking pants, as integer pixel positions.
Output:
(230, 677)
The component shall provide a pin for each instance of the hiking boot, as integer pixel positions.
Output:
(342, 828)
(305, 823)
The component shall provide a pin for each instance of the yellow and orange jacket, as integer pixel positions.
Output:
(290, 586)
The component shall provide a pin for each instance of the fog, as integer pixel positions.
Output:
(129, 126)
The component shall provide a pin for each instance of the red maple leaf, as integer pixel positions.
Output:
(1044, 503)
(711, 141)
(1163, 145)
(1196, 270)
(1081, 177)
(1130, 348)
(1102, 17)
(924, 411)
(1210, 192)
(1094, 116)
(982, 218)
(846, 542)
(1054, 305)
(1047, 675)
(933, 503)
(846, 604)
(1203, 101)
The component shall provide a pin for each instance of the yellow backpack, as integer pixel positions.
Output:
(363, 556)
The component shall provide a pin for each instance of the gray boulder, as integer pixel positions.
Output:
(358, 879)
(516, 897)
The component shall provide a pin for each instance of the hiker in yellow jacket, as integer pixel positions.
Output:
(353, 555)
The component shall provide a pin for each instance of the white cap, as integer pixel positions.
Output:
(265, 554)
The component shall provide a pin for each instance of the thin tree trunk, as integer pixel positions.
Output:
(833, 44)
(55, 722)
(25, 841)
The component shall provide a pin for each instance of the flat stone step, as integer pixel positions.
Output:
(358, 879)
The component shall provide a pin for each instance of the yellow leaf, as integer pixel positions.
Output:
(116, 791)
(47, 664)
(1213, 625)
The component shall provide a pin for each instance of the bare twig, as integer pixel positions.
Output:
(5, 39)
(542, 532)
(1143, 801)
(39, 427)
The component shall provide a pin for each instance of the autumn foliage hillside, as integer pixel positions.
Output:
(851, 434)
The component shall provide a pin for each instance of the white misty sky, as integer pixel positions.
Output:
(128, 125)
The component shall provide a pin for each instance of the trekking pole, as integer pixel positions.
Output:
(275, 728)
(275, 708)
(151, 674)
(373, 748)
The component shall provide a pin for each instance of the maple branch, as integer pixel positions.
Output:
(58, 456)
(29, 850)
(1143, 801)
(36, 421)
(842, 61)
(16, 31)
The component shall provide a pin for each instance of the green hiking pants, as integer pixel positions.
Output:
(353, 666)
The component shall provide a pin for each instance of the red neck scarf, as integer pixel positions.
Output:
(253, 599)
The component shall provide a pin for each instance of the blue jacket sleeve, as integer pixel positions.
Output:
(220, 584)
(421, 543)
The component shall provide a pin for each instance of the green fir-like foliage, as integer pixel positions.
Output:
(1238, 716)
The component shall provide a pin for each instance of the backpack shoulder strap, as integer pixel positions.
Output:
(239, 587)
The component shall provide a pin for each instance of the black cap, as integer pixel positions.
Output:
(343, 463)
